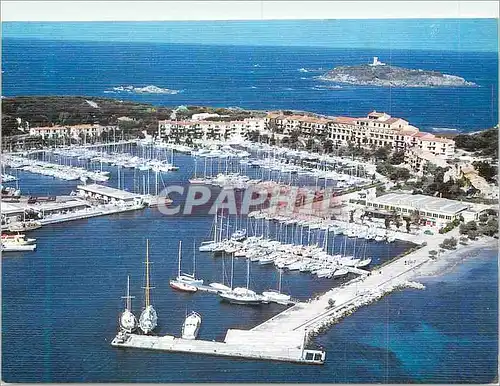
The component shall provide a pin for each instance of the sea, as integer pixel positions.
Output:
(60, 304)
(262, 78)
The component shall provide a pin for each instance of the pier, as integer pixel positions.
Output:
(287, 347)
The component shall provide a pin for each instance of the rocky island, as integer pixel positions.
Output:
(381, 74)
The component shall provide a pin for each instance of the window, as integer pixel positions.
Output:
(448, 217)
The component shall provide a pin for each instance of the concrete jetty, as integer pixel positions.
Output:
(287, 347)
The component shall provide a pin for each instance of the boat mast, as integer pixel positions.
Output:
(279, 282)
(248, 272)
(147, 303)
(128, 303)
(194, 258)
(180, 249)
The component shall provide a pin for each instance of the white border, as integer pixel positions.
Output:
(241, 10)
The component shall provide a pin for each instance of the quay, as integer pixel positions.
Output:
(340, 301)
(207, 288)
(90, 201)
(259, 345)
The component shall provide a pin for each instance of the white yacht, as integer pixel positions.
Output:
(148, 319)
(191, 326)
(128, 321)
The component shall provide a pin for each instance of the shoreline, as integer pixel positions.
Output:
(429, 269)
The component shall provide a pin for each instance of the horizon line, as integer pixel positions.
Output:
(38, 39)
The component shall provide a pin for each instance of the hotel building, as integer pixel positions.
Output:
(75, 131)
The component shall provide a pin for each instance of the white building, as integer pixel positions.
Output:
(433, 211)
(209, 129)
(75, 131)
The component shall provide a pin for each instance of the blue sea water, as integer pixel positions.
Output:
(254, 77)
(60, 306)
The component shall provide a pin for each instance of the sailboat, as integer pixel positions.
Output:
(191, 326)
(128, 321)
(276, 296)
(186, 277)
(222, 286)
(148, 319)
(241, 295)
(210, 245)
(184, 282)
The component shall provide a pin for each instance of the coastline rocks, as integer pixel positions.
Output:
(392, 76)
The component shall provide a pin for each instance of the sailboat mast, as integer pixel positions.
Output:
(129, 303)
(279, 282)
(147, 274)
(194, 258)
(180, 249)
(248, 272)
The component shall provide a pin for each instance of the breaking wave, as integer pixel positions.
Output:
(311, 69)
(151, 89)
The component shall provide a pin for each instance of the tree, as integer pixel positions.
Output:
(450, 243)
(382, 153)
(469, 226)
(472, 234)
(328, 146)
(398, 157)
(485, 170)
(490, 228)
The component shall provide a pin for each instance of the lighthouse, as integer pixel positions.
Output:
(376, 62)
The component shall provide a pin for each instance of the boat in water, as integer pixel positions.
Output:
(182, 286)
(186, 277)
(17, 243)
(363, 263)
(148, 319)
(191, 326)
(239, 235)
(128, 321)
(241, 295)
(276, 296)
(24, 226)
(340, 273)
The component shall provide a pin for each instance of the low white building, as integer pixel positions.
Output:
(432, 211)
(74, 131)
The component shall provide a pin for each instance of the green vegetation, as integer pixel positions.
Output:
(450, 243)
(69, 110)
(484, 143)
(486, 170)
(450, 226)
(473, 230)
(392, 172)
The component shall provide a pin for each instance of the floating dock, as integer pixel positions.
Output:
(287, 347)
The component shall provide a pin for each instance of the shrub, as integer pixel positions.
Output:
(450, 243)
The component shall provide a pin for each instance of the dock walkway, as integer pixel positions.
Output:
(238, 344)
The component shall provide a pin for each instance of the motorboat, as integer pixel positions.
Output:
(363, 263)
(191, 326)
(340, 273)
(239, 235)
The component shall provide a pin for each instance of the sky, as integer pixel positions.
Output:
(422, 34)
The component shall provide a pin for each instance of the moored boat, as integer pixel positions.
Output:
(128, 321)
(182, 286)
(149, 318)
(191, 326)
